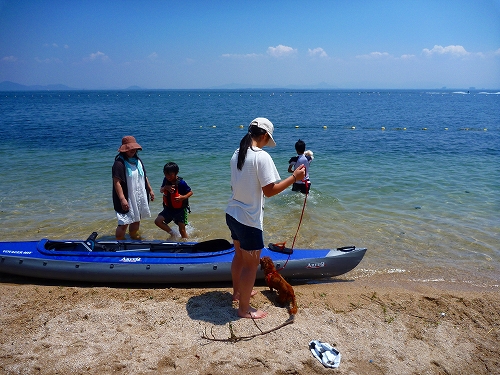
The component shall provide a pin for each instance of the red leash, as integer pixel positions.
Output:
(302, 214)
(298, 227)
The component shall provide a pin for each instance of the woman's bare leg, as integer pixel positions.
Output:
(134, 230)
(236, 266)
(236, 272)
(120, 232)
(250, 261)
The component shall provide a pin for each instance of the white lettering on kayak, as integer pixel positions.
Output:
(316, 265)
(130, 260)
(21, 252)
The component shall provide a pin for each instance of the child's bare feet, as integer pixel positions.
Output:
(236, 297)
(252, 314)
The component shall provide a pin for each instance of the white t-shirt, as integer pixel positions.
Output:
(247, 200)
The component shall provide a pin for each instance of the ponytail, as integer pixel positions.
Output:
(253, 132)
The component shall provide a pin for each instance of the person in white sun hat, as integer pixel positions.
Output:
(253, 177)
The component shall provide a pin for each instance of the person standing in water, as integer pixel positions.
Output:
(176, 193)
(253, 177)
(131, 189)
(303, 158)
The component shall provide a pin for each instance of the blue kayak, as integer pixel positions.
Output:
(161, 262)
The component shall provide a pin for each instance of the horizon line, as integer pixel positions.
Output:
(317, 87)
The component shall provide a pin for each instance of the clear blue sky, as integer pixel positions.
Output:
(208, 43)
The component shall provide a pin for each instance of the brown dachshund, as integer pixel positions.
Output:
(275, 281)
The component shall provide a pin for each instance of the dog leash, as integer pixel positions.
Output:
(298, 227)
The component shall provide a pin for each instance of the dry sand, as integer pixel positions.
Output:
(381, 324)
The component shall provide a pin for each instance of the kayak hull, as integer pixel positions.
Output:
(156, 262)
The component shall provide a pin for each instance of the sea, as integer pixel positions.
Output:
(412, 175)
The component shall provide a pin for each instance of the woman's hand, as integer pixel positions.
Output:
(124, 203)
(275, 188)
(299, 173)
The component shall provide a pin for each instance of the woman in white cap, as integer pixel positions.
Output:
(131, 189)
(253, 176)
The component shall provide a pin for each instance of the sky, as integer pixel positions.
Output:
(198, 44)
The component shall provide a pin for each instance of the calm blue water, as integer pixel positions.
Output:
(411, 175)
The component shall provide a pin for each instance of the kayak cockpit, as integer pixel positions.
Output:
(210, 247)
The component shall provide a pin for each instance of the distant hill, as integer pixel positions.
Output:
(12, 86)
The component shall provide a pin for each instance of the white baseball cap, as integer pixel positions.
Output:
(264, 123)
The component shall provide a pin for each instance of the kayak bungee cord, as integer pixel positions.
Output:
(282, 244)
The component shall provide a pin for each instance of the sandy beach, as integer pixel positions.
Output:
(381, 324)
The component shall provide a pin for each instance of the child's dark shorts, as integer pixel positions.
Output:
(250, 238)
(177, 216)
(303, 188)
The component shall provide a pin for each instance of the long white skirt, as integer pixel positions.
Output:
(137, 199)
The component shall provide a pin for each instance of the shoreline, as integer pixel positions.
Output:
(381, 324)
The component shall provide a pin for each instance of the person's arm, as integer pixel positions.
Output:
(150, 190)
(187, 195)
(275, 188)
(119, 191)
(291, 164)
(183, 186)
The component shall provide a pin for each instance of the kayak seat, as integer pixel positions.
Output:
(199, 247)
(60, 245)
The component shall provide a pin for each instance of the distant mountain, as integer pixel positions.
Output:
(12, 86)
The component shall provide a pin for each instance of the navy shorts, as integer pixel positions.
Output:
(177, 216)
(250, 238)
(303, 188)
